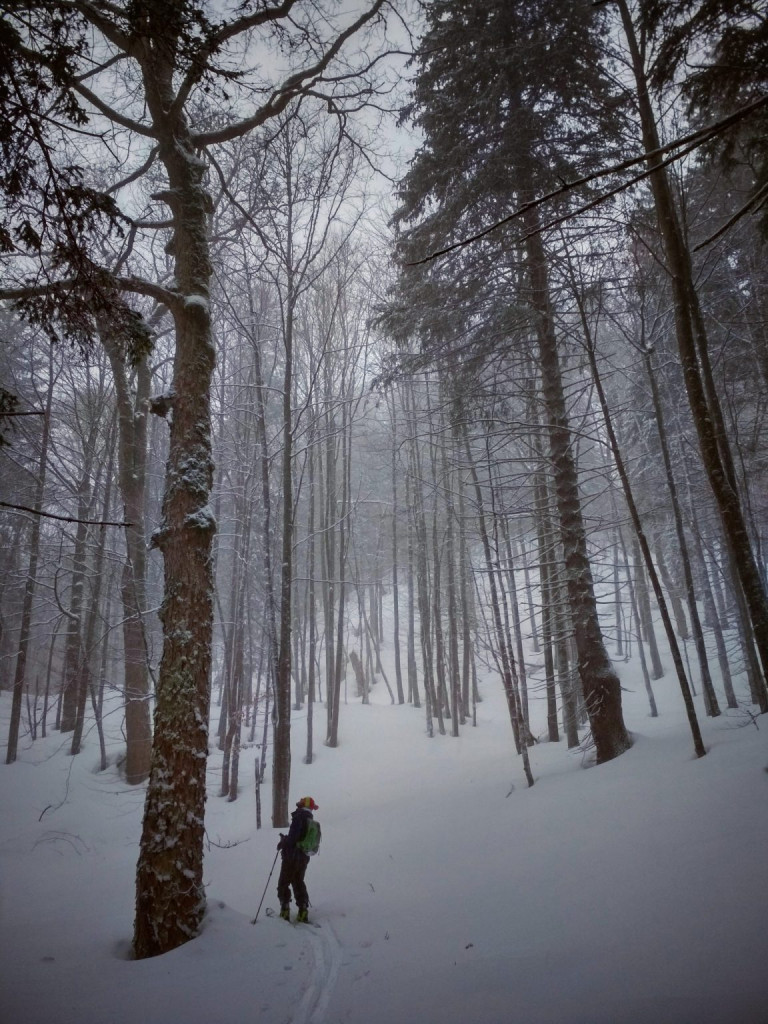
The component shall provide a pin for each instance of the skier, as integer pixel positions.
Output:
(295, 861)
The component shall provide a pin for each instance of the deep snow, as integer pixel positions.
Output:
(631, 893)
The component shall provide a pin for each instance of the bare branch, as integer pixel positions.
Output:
(136, 174)
(225, 32)
(292, 87)
(112, 114)
(236, 28)
(63, 519)
(757, 200)
(137, 285)
(108, 28)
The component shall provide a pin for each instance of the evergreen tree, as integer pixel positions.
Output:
(509, 97)
(721, 48)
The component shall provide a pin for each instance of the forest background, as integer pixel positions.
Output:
(251, 400)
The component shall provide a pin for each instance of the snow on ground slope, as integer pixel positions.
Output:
(446, 890)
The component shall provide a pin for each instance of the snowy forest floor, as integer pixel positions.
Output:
(447, 891)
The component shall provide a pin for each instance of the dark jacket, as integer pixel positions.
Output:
(299, 821)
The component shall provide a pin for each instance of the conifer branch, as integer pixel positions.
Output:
(690, 142)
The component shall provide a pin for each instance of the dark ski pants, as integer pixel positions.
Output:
(292, 871)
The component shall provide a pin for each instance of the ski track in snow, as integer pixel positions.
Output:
(327, 955)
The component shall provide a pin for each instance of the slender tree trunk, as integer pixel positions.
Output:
(331, 535)
(395, 562)
(89, 639)
(338, 667)
(693, 722)
(422, 573)
(673, 590)
(711, 609)
(281, 748)
(266, 510)
(440, 691)
(505, 656)
(528, 592)
(640, 645)
(74, 663)
(546, 559)
(413, 676)
(617, 598)
(645, 621)
(25, 630)
(454, 675)
(464, 585)
(710, 698)
(311, 605)
(132, 475)
(516, 625)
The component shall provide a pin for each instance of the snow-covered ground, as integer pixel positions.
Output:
(447, 891)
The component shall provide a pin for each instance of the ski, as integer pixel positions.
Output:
(269, 912)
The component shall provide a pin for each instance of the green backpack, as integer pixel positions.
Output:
(310, 841)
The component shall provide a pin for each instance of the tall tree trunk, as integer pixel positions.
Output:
(441, 693)
(712, 613)
(395, 561)
(467, 658)
(311, 603)
(170, 896)
(640, 645)
(546, 561)
(281, 749)
(506, 659)
(528, 591)
(334, 685)
(25, 630)
(132, 475)
(266, 510)
(413, 676)
(645, 622)
(330, 529)
(710, 698)
(681, 623)
(599, 682)
(422, 569)
(89, 638)
(74, 662)
(454, 676)
(693, 722)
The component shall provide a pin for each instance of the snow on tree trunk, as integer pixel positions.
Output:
(170, 898)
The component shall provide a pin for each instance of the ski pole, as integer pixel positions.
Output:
(265, 888)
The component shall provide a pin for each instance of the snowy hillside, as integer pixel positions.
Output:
(631, 893)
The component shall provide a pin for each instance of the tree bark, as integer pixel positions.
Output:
(170, 896)
(599, 681)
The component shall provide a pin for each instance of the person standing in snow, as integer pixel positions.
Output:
(295, 861)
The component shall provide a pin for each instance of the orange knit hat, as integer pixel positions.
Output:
(309, 803)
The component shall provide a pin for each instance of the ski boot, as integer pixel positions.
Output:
(302, 916)
(285, 912)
